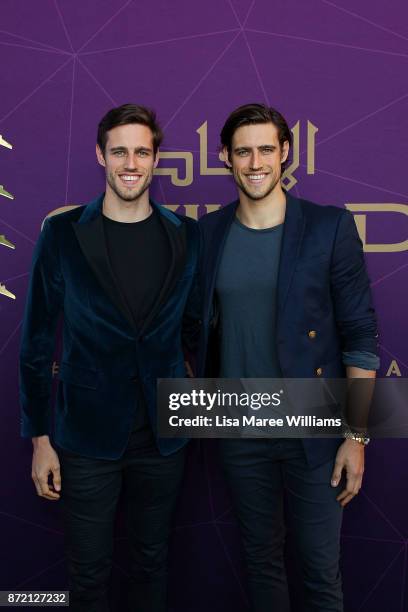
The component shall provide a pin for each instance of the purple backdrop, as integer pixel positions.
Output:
(341, 66)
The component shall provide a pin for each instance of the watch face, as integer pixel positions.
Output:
(358, 438)
(363, 440)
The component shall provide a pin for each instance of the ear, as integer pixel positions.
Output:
(225, 157)
(156, 159)
(285, 151)
(99, 156)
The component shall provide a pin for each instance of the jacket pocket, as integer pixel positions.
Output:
(79, 376)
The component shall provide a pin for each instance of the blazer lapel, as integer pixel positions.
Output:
(220, 233)
(90, 235)
(293, 230)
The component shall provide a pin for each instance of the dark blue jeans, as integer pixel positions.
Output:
(90, 493)
(260, 473)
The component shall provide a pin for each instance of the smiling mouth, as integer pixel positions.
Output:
(256, 179)
(130, 180)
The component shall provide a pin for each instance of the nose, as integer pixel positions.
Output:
(255, 161)
(131, 162)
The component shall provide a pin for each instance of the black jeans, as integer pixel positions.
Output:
(260, 473)
(90, 492)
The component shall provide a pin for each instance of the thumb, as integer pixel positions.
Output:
(56, 478)
(336, 476)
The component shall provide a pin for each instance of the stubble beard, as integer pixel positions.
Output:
(259, 195)
(127, 195)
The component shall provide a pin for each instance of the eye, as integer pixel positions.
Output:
(267, 150)
(143, 154)
(242, 153)
(118, 153)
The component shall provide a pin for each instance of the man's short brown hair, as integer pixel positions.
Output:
(125, 114)
(251, 114)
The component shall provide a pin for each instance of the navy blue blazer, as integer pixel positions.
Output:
(322, 287)
(104, 354)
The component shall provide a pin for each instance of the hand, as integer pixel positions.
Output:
(45, 462)
(350, 457)
(189, 369)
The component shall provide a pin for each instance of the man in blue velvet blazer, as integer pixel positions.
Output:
(121, 270)
(285, 293)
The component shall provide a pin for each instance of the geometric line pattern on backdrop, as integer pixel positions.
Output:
(238, 30)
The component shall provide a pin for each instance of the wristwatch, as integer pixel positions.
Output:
(351, 435)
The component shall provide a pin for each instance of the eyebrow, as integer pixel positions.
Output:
(137, 149)
(264, 146)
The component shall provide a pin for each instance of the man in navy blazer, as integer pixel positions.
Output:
(285, 293)
(121, 270)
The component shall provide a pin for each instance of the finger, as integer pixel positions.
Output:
(189, 370)
(37, 485)
(348, 493)
(345, 494)
(336, 476)
(45, 495)
(43, 482)
(353, 483)
(348, 490)
(51, 497)
(45, 489)
(56, 478)
(346, 500)
(342, 495)
(358, 485)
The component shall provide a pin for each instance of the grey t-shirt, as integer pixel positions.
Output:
(246, 289)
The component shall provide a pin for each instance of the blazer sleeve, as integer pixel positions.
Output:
(43, 306)
(350, 288)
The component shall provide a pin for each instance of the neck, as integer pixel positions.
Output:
(126, 211)
(261, 214)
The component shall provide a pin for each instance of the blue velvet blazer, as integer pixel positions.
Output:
(323, 288)
(104, 354)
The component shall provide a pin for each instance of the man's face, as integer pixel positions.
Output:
(256, 158)
(129, 160)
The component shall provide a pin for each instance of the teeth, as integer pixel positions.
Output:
(256, 177)
(130, 178)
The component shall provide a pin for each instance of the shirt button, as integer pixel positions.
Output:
(318, 371)
(312, 334)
